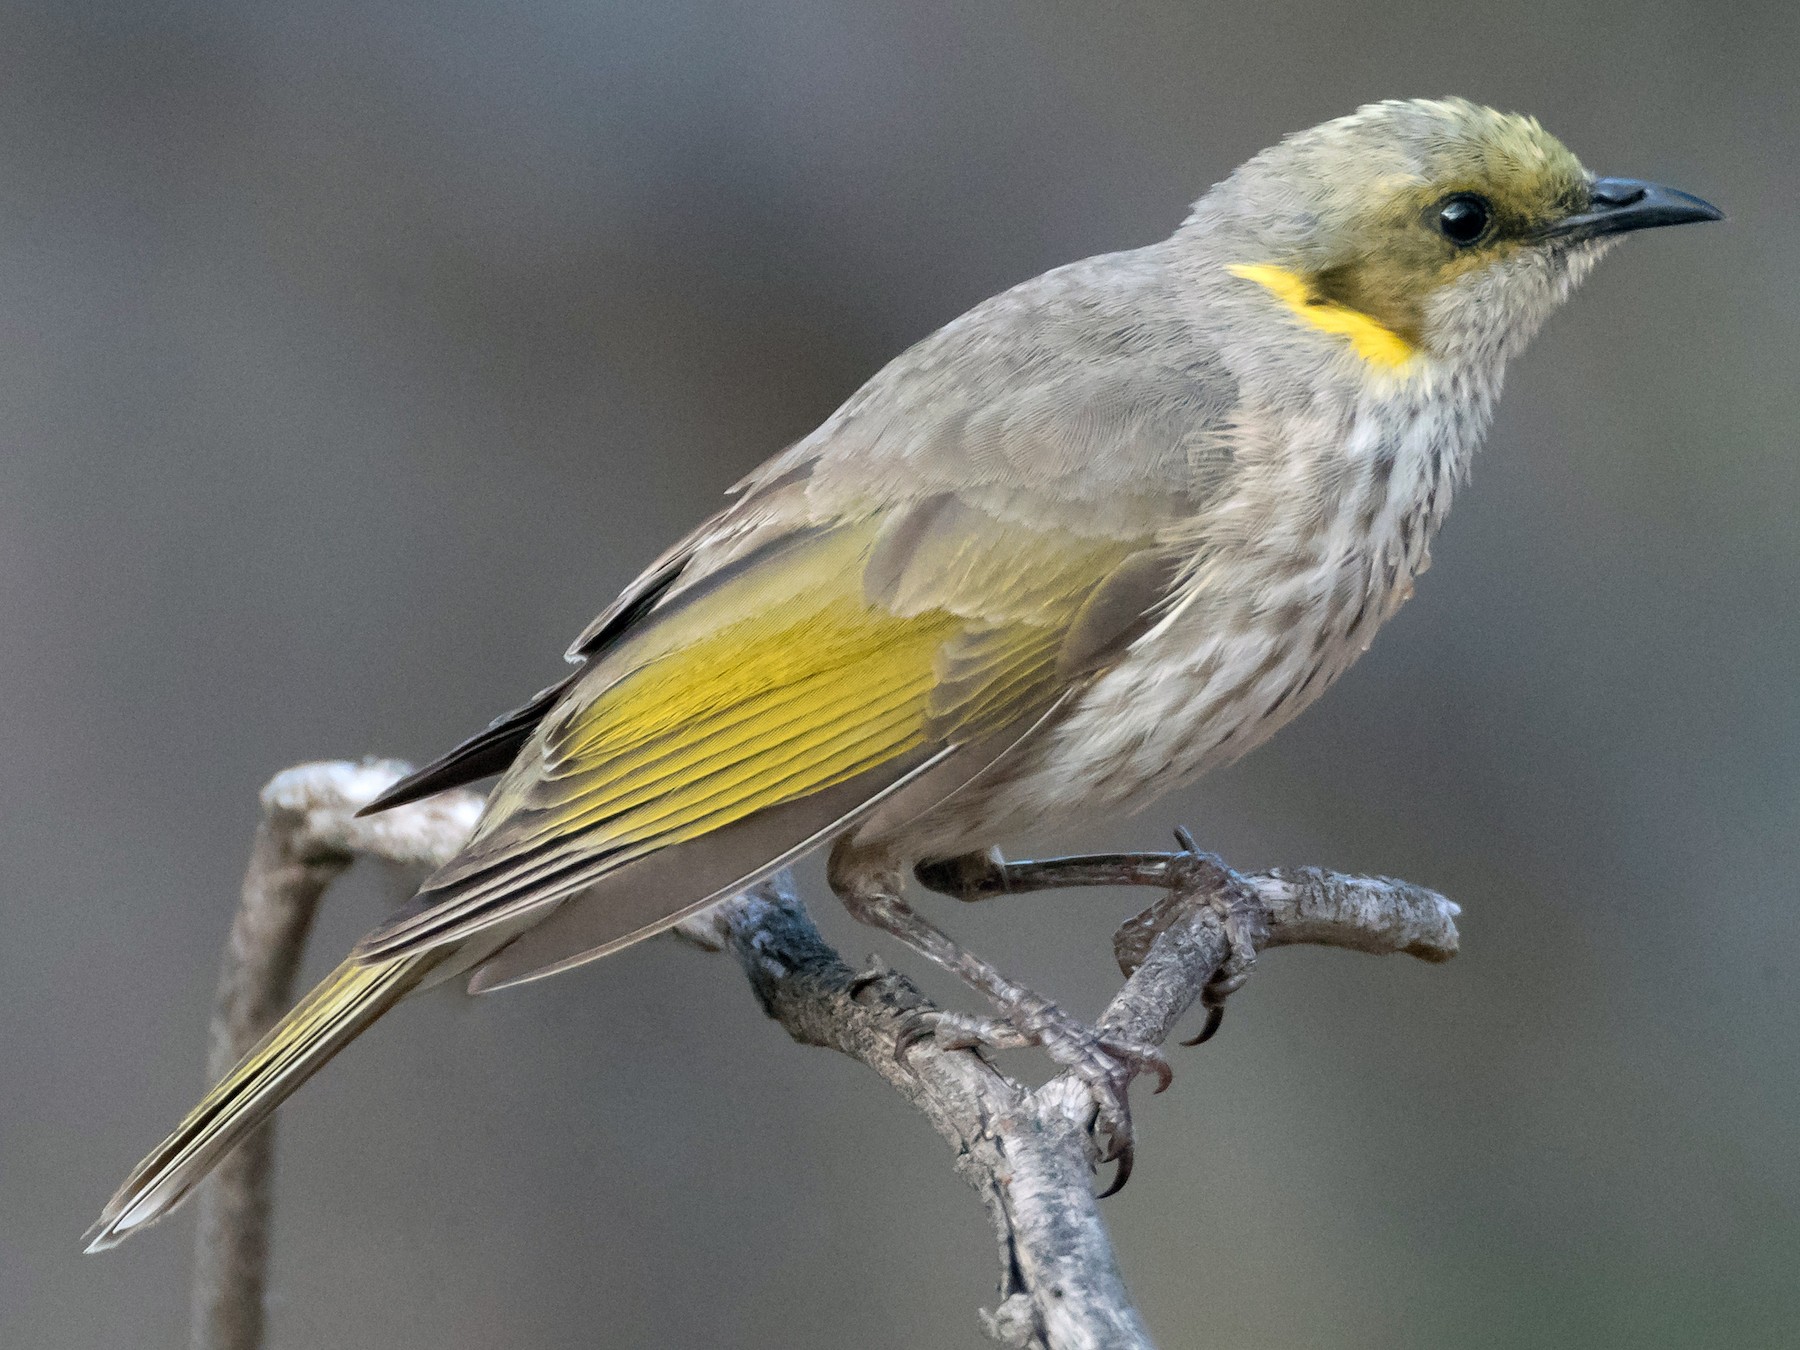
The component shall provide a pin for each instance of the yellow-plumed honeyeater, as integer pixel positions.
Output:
(1100, 534)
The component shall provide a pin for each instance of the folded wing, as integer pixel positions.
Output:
(758, 716)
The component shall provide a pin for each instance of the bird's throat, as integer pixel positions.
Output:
(1371, 339)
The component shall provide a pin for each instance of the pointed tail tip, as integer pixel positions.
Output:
(131, 1210)
(335, 1012)
(105, 1234)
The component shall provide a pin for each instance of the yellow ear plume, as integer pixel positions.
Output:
(1372, 340)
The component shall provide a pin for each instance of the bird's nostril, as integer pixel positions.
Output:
(1614, 192)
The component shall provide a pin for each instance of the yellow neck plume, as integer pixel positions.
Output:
(1372, 340)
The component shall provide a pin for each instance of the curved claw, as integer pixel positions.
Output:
(1165, 1073)
(920, 1025)
(1142, 1059)
(1124, 1158)
(1215, 1017)
(1113, 1107)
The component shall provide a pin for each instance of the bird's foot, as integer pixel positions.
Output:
(1105, 1062)
(1203, 879)
(1190, 879)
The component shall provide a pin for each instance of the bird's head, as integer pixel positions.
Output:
(1433, 229)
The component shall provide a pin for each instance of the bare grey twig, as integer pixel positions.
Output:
(1030, 1154)
(308, 838)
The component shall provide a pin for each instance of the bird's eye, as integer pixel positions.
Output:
(1464, 219)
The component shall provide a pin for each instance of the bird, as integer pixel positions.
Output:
(1104, 532)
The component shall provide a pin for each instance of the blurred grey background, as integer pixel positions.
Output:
(352, 355)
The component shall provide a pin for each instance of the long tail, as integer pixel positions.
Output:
(324, 1022)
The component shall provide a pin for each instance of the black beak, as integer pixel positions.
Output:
(1616, 205)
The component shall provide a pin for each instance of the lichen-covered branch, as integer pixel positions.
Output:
(1030, 1154)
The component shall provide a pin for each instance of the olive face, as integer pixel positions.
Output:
(1464, 218)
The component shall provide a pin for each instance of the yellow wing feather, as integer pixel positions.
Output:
(778, 685)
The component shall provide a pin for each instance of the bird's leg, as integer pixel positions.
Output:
(1190, 876)
(869, 884)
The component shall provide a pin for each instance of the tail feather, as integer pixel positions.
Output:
(338, 1009)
